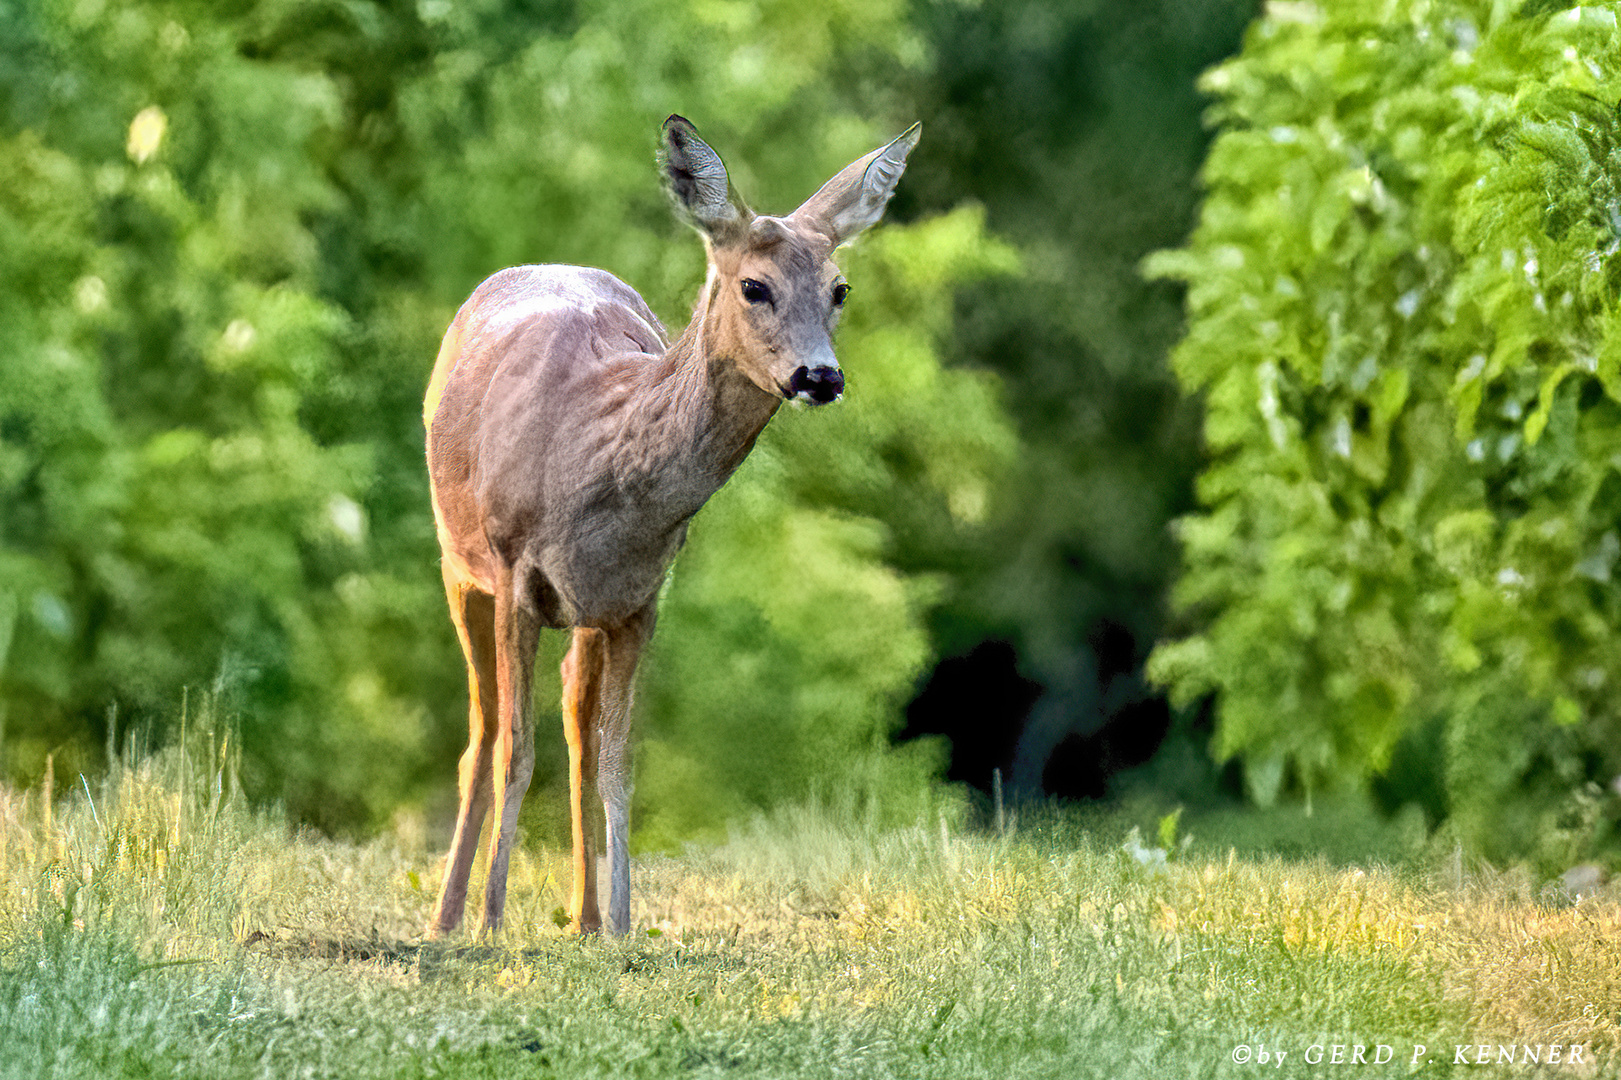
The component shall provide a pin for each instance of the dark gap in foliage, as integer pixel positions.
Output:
(979, 701)
(1082, 766)
(1080, 130)
(1412, 776)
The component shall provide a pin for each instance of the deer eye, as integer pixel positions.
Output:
(840, 291)
(756, 292)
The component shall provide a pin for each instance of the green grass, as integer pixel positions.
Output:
(169, 931)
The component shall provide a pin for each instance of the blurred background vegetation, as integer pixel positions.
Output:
(232, 233)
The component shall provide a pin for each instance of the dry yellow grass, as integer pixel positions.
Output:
(941, 952)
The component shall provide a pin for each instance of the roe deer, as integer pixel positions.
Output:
(569, 443)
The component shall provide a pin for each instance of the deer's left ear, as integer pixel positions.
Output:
(855, 198)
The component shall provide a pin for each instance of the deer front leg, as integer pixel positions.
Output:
(473, 612)
(582, 696)
(614, 773)
(517, 632)
(614, 782)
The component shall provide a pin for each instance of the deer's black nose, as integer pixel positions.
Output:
(818, 385)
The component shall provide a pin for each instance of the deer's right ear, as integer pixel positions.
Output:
(696, 179)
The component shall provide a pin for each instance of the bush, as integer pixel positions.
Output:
(1403, 320)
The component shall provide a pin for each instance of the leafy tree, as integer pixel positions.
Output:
(1402, 302)
(165, 504)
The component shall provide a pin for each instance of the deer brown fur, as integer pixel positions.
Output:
(570, 442)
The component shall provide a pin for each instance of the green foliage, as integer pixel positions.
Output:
(229, 239)
(1401, 295)
(166, 503)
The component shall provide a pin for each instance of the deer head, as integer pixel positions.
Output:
(773, 294)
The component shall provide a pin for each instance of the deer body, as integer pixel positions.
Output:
(589, 522)
(569, 443)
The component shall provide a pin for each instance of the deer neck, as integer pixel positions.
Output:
(701, 410)
(727, 410)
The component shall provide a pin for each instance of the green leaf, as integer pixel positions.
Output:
(1167, 829)
(1538, 419)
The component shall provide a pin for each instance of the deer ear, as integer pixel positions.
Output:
(696, 178)
(855, 198)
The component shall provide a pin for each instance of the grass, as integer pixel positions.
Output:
(151, 925)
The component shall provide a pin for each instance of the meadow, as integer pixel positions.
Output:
(151, 924)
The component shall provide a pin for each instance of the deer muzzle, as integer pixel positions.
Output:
(816, 385)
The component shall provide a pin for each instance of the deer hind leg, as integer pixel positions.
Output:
(473, 612)
(614, 772)
(517, 632)
(582, 695)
